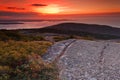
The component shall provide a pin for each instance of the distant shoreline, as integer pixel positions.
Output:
(12, 23)
(4, 23)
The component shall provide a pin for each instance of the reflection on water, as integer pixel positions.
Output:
(28, 25)
(111, 20)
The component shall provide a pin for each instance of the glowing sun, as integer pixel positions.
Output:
(50, 9)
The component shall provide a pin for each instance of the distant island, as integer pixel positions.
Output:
(7, 23)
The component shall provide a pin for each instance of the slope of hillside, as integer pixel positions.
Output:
(97, 31)
(90, 28)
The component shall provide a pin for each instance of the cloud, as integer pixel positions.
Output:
(15, 8)
(18, 14)
(37, 5)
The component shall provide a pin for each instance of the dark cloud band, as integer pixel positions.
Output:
(15, 8)
(37, 5)
(16, 14)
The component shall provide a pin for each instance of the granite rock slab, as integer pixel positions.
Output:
(86, 60)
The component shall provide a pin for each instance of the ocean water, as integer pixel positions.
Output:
(110, 20)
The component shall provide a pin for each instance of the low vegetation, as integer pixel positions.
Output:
(6, 35)
(60, 38)
(21, 60)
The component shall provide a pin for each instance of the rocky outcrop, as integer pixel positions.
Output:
(56, 50)
(86, 60)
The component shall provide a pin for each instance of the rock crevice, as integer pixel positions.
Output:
(86, 60)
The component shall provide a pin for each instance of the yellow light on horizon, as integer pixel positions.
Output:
(50, 9)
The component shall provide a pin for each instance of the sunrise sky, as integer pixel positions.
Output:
(23, 9)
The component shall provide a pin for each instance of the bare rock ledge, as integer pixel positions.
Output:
(86, 60)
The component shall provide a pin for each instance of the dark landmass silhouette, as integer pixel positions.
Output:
(81, 29)
(78, 29)
(8, 23)
(32, 20)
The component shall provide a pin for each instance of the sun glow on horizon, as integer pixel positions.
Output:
(50, 9)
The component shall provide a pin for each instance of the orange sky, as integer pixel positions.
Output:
(35, 8)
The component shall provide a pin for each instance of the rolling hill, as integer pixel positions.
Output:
(98, 31)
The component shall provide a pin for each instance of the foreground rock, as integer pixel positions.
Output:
(86, 60)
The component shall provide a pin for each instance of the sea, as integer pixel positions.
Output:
(112, 20)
